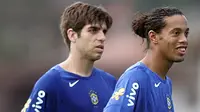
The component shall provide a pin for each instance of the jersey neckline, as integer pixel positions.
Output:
(60, 69)
(153, 73)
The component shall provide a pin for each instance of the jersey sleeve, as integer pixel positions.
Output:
(42, 97)
(127, 92)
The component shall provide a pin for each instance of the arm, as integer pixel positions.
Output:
(127, 94)
(36, 102)
(42, 97)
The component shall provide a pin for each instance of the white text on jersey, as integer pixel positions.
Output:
(37, 106)
(131, 96)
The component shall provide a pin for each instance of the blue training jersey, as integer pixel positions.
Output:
(141, 90)
(61, 91)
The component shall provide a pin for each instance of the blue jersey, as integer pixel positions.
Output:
(61, 91)
(141, 90)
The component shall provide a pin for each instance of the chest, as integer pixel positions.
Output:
(160, 96)
(85, 95)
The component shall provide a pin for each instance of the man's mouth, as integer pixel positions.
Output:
(182, 50)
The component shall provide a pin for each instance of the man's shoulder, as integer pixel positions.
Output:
(107, 77)
(48, 79)
(135, 71)
(104, 74)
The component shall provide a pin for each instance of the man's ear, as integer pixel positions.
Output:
(153, 36)
(72, 35)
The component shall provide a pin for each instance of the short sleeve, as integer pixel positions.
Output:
(127, 92)
(42, 97)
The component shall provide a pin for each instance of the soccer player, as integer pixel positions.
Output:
(144, 87)
(75, 85)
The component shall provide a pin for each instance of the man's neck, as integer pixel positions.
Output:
(78, 65)
(157, 63)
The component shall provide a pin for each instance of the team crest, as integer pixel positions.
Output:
(169, 102)
(93, 97)
(118, 93)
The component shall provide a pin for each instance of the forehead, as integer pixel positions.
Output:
(176, 21)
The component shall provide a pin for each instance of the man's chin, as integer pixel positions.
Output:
(179, 60)
(96, 58)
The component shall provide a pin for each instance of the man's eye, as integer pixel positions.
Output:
(186, 34)
(176, 33)
(104, 31)
(93, 30)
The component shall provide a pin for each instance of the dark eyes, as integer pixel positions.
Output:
(96, 30)
(104, 31)
(177, 33)
(186, 33)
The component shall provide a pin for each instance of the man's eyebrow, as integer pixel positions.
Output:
(174, 29)
(178, 29)
(97, 27)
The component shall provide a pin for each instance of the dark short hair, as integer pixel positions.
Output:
(79, 14)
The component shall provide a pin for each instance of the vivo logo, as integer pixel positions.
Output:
(37, 106)
(131, 96)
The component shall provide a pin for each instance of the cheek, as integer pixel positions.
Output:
(83, 44)
(171, 45)
(166, 47)
(90, 44)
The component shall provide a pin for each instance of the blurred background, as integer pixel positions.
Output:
(30, 43)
